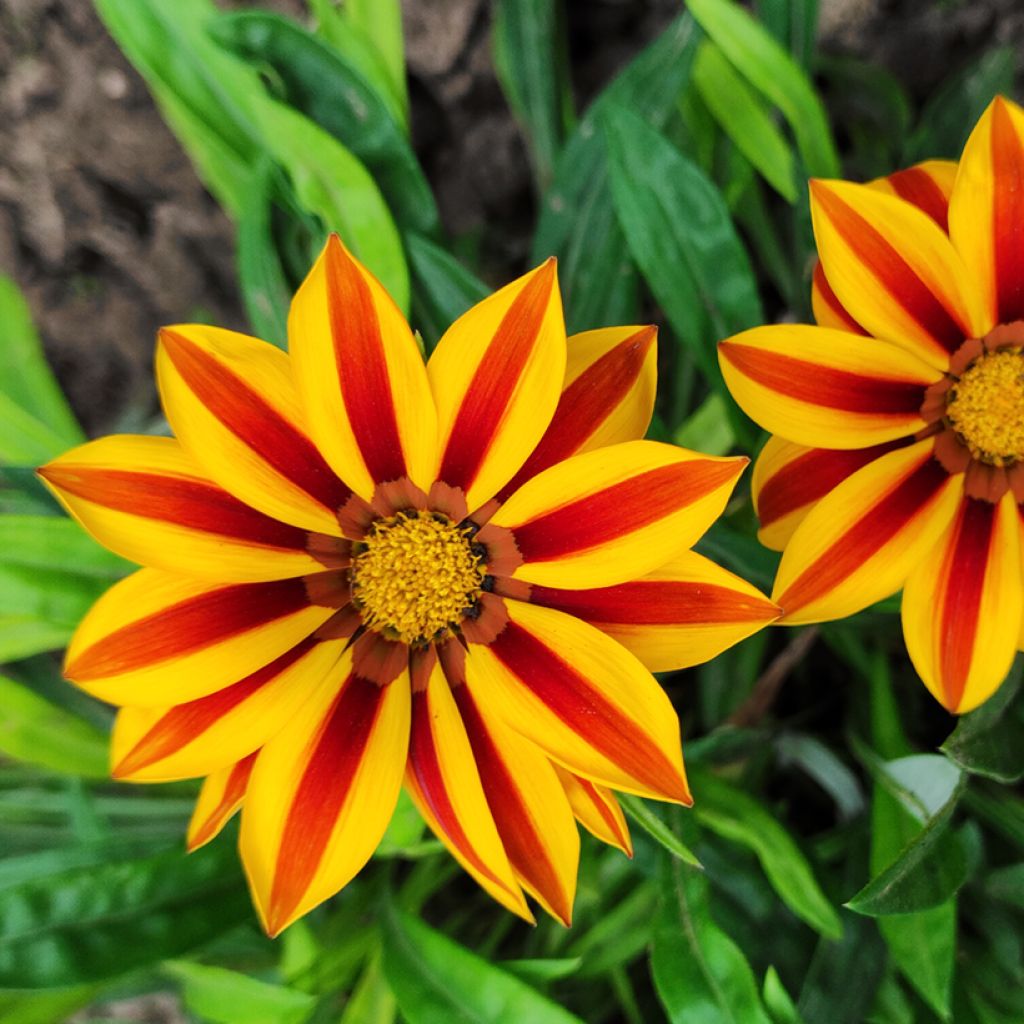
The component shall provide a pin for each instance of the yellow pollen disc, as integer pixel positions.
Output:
(415, 575)
(986, 407)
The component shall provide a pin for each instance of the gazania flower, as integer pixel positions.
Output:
(898, 455)
(360, 569)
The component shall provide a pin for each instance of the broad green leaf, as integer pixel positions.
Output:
(35, 420)
(45, 1007)
(777, 1001)
(700, 974)
(38, 732)
(745, 119)
(380, 21)
(738, 817)
(435, 979)
(222, 996)
(753, 52)
(323, 85)
(52, 542)
(708, 430)
(372, 1001)
(443, 289)
(656, 827)
(122, 912)
(530, 60)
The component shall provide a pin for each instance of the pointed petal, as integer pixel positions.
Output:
(894, 270)
(789, 479)
(963, 603)
(444, 782)
(987, 210)
(861, 541)
(156, 639)
(683, 613)
(825, 388)
(597, 810)
(231, 402)
(496, 376)
(220, 797)
(607, 516)
(146, 499)
(322, 793)
(583, 699)
(361, 376)
(608, 397)
(206, 734)
(529, 806)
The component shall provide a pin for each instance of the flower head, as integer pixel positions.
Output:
(363, 570)
(898, 455)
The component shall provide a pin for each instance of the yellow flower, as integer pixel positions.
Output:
(362, 570)
(898, 455)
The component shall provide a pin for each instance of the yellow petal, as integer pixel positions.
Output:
(597, 810)
(220, 797)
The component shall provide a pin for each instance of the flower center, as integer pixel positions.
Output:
(986, 407)
(414, 576)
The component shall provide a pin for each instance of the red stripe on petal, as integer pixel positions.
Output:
(863, 540)
(191, 625)
(811, 476)
(831, 300)
(255, 422)
(610, 819)
(586, 403)
(185, 722)
(572, 698)
(362, 366)
(961, 603)
(190, 503)
(234, 793)
(483, 406)
(893, 272)
(1008, 214)
(917, 186)
(825, 386)
(426, 769)
(620, 508)
(331, 768)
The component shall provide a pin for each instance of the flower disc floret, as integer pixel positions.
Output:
(415, 575)
(986, 407)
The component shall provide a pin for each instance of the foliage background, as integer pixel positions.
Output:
(863, 860)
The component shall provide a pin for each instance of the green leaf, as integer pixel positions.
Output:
(781, 1008)
(738, 817)
(81, 922)
(372, 1001)
(708, 430)
(700, 974)
(221, 996)
(655, 826)
(794, 23)
(45, 1007)
(435, 979)
(380, 21)
(38, 732)
(320, 83)
(745, 120)
(543, 970)
(742, 554)
(530, 60)
(753, 52)
(52, 542)
(404, 831)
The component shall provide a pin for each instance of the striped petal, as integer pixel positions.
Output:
(156, 639)
(861, 542)
(232, 404)
(986, 212)
(206, 734)
(683, 613)
(597, 810)
(894, 269)
(443, 780)
(962, 605)
(149, 501)
(220, 797)
(825, 388)
(529, 806)
(322, 793)
(610, 515)
(828, 310)
(361, 376)
(789, 479)
(583, 699)
(496, 376)
(608, 397)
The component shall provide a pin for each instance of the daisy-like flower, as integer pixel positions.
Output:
(361, 569)
(898, 455)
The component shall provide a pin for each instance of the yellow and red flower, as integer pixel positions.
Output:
(898, 455)
(361, 569)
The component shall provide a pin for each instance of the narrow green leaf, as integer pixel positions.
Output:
(657, 829)
(777, 1001)
(543, 970)
(380, 21)
(52, 542)
(435, 979)
(372, 1001)
(708, 430)
(753, 52)
(443, 289)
